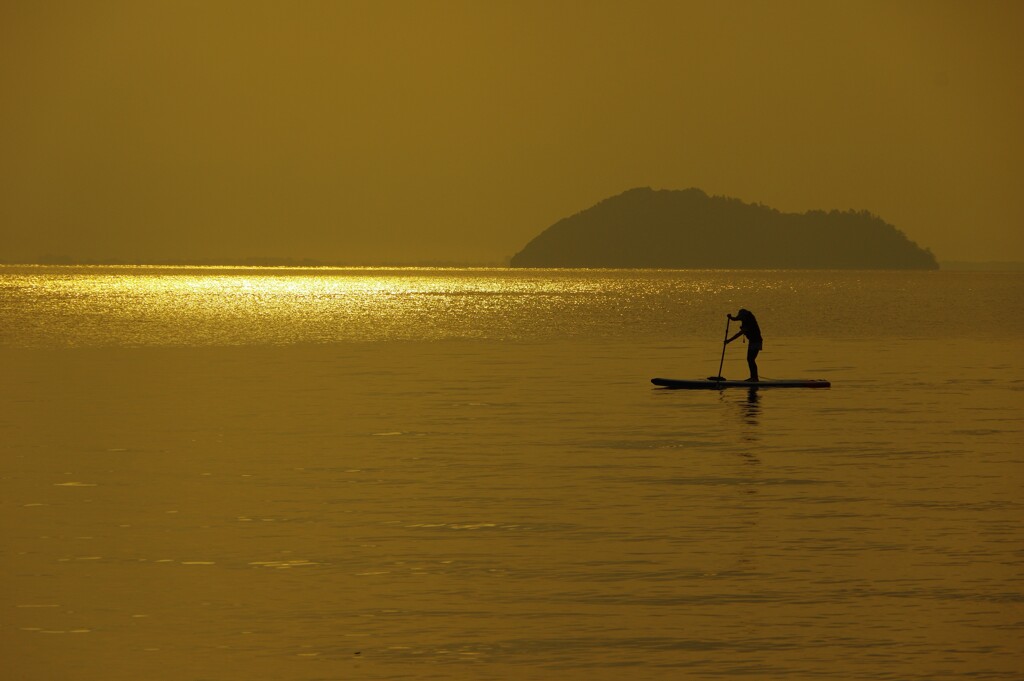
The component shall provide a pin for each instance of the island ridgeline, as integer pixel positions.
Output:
(687, 229)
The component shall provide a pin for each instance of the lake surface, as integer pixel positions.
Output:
(466, 474)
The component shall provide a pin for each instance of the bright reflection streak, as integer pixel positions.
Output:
(201, 306)
(67, 306)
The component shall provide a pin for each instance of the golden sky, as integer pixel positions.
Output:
(447, 130)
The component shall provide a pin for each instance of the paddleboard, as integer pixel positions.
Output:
(708, 384)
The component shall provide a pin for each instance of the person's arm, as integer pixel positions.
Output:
(730, 340)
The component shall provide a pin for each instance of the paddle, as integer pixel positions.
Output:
(719, 377)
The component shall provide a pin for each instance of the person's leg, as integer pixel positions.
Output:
(752, 351)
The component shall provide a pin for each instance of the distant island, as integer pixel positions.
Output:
(687, 229)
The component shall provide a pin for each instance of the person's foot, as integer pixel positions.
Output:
(752, 380)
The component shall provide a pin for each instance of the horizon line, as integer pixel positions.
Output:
(310, 263)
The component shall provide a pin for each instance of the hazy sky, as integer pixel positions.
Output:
(382, 131)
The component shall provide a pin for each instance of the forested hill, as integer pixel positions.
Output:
(688, 229)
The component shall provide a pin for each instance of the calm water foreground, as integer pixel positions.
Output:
(415, 474)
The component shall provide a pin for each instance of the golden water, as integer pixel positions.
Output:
(263, 474)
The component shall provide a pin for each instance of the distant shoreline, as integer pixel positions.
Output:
(950, 266)
(982, 266)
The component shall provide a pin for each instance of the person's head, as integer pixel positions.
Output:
(744, 314)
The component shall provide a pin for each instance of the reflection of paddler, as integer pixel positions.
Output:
(752, 333)
(751, 408)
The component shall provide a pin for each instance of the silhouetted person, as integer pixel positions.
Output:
(752, 332)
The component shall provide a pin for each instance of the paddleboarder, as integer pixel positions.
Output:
(752, 333)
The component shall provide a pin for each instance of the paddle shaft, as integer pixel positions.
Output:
(725, 341)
